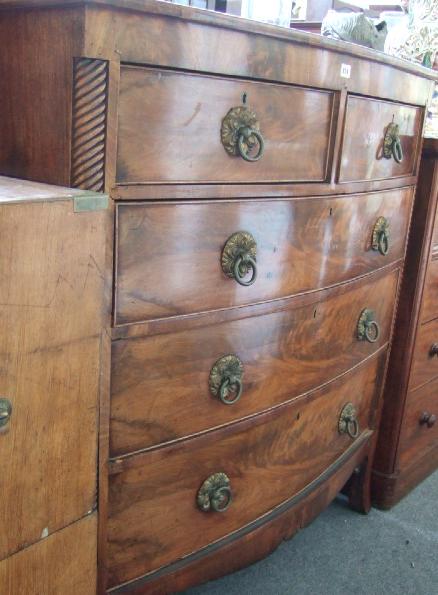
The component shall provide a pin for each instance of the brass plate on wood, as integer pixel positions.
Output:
(380, 237)
(239, 257)
(215, 493)
(348, 423)
(226, 378)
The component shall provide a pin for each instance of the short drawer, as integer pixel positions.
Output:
(419, 431)
(429, 309)
(425, 357)
(173, 127)
(169, 386)
(181, 258)
(154, 514)
(367, 121)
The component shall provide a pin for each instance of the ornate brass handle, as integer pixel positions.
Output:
(215, 493)
(368, 328)
(226, 379)
(5, 412)
(433, 349)
(240, 134)
(428, 419)
(380, 239)
(239, 258)
(348, 422)
(392, 146)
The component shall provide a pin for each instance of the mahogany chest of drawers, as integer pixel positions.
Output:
(262, 183)
(407, 449)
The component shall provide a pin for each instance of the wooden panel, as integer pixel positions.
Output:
(52, 312)
(284, 354)
(169, 255)
(365, 124)
(170, 129)
(416, 438)
(153, 518)
(424, 363)
(430, 294)
(63, 563)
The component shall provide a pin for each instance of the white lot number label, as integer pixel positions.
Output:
(345, 71)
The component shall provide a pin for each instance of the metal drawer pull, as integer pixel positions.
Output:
(348, 422)
(226, 379)
(215, 494)
(428, 419)
(5, 412)
(380, 239)
(240, 134)
(368, 328)
(392, 146)
(239, 258)
(433, 349)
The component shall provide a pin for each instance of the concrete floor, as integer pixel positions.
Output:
(343, 552)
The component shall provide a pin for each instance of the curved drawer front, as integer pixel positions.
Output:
(267, 461)
(171, 127)
(419, 431)
(167, 386)
(367, 122)
(425, 357)
(170, 257)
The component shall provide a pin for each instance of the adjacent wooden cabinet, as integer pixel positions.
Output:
(408, 443)
(262, 184)
(54, 308)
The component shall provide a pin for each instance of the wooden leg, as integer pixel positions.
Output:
(357, 488)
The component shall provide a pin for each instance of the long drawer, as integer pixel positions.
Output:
(184, 258)
(419, 431)
(425, 356)
(169, 386)
(173, 127)
(157, 517)
(367, 121)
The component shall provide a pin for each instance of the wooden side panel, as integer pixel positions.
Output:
(62, 564)
(169, 255)
(170, 129)
(429, 309)
(153, 516)
(52, 311)
(284, 354)
(36, 70)
(366, 122)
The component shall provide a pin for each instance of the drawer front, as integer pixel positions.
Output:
(170, 127)
(366, 123)
(153, 513)
(161, 384)
(169, 256)
(430, 294)
(425, 358)
(419, 431)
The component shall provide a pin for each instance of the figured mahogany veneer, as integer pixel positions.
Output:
(284, 354)
(268, 460)
(168, 256)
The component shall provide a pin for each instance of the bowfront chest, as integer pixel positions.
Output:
(262, 183)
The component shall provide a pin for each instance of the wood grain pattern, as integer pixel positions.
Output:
(170, 129)
(64, 562)
(424, 365)
(365, 124)
(89, 121)
(52, 312)
(284, 354)
(429, 309)
(153, 518)
(168, 255)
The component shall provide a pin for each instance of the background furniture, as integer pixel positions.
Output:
(408, 439)
(256, 173)
(53, 307)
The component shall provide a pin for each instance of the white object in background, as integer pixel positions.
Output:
(276, 12)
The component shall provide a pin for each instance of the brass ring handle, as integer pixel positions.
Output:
(225, 378)
(427, 418)
(380, 236)
(5, 412)
(245, 143)
(233, 385)
(348, 422)
(368, 328)
(242, 265)
(215, 493)
(383, 243)
(433, 350)
(397, 150)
